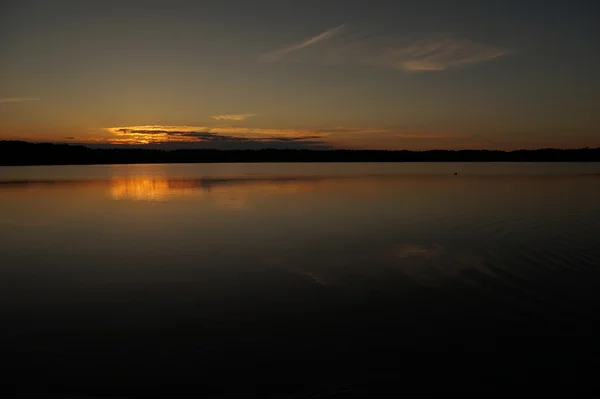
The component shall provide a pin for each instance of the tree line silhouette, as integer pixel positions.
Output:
(26, 153)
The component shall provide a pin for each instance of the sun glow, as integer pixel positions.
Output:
(152, 134)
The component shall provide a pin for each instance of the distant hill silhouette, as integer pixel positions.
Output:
(25, 153)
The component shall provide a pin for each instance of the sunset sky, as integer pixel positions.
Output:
(302, 74)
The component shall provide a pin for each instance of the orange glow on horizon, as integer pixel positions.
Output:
(337, 137)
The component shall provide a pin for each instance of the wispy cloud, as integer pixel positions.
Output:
(386, 51)
(436, 55)
(277, 54)
(233, 117)
(17, 99)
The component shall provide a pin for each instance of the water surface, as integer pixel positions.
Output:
(285, 278)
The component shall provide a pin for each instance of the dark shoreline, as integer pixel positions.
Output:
(20, 153)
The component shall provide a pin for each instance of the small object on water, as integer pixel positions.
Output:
(455, 173)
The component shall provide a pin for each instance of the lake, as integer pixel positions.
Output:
(298, 280)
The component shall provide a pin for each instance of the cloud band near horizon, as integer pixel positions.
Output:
(246, 137)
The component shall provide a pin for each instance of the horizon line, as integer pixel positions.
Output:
(152, 147)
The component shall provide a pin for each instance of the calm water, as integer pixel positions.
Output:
(298, 279)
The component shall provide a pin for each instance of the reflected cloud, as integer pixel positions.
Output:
(312, 276)
(409, 251)
(433, 264)
(288, 265)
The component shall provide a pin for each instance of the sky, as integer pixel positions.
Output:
(358, 74)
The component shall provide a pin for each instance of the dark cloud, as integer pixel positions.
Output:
(141, 131)
(224, 145)
(210, 140)
(297, 139)
(199, 135)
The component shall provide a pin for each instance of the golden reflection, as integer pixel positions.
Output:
(229, 194)
(151, 188)
(235, 193)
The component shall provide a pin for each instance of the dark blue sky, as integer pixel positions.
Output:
(359, 74)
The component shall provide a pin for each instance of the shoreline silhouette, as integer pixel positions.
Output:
(22, 153)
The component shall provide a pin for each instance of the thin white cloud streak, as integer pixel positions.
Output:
(233, 117)
(277, 54)
(4, 100)
(435, 54)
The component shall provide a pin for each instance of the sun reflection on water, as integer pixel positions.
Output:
(151, 188)
(231, 193)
